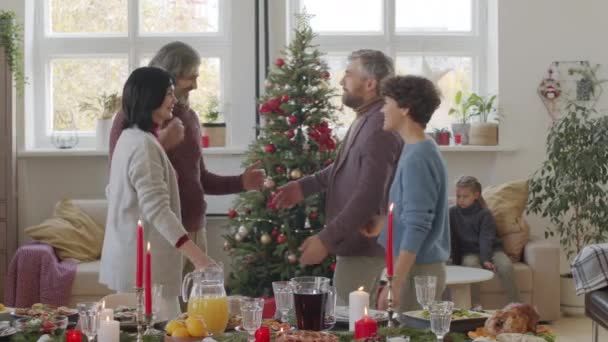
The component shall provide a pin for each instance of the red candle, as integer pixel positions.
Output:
(389, 243)
(139, 273)
(262, 334)
(366, 327)
(73, 336)
(148, 289)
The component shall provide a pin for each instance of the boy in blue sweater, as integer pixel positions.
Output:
(419, 191)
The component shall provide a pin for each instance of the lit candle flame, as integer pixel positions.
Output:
(391, 207)
(361, 288)
(148, 246)
(108, 319)
(139, 222)
(365, 312)
(103, 304)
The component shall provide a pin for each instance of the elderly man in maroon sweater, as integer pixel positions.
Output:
(181, 138)
(356, 183)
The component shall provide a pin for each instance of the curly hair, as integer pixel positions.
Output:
(416, 93)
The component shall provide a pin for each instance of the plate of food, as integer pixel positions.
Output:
(463, 320)
(44, 311)
(341, 314)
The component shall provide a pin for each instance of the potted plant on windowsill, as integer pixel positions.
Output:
(213, 129)
(441, 136)
(462, 113)
(103, 108)
(570, 188)
(483, 132)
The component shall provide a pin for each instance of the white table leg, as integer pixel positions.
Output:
(461, 295)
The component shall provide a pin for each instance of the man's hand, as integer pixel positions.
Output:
(313, 251)
(373, 227)
(172, 135)
(383, 297)
(488, 265)
(288, 195)
(253, 177)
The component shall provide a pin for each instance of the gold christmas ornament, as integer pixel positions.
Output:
(265, 239)
(295, 174)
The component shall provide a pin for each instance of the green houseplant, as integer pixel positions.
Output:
(482, 132)
(103, 108)
(570, 188)
(213, 129)
(11, 40)
(462, 112)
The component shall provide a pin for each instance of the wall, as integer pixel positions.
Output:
(530, 35)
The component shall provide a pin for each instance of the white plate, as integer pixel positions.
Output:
(341, 314)
(8, 332)
(418, 314)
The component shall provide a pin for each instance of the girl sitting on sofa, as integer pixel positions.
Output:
(474, 240)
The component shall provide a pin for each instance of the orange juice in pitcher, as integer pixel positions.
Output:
(213, 310)
(207, 297)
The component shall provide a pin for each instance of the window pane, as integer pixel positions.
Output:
(76, 81)
(347, 16)
(82, 16)
(451, 74)
(345, 115)
(433, 15)
(166, 16)
(207, 96)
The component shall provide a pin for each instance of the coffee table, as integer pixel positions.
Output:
(459, 279)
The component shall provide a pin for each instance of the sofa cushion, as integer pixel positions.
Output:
(72, 233)
(523, 279)
(514, 243)
(86, 282)
(507, 202)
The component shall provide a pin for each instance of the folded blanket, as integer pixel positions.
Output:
(35, 275)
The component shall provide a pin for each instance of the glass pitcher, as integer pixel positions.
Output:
(207, 297)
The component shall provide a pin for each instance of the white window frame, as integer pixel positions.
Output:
(473, 44)
(233, 44)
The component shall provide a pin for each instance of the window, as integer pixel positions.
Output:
(77, 57)
(444, 40)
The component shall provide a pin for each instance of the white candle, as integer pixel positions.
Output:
(357, 302)
(106, 313)
(109, 331)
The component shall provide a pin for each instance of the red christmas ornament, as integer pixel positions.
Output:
(270, 148)
(272, 106)
(275, 232)
(232, 213)
(313, 215)
(290, 134)
(280, 169)
(293, 120)
(279, 62)
(332, 267)
(282, 238)
(270, 204)
(284, 98)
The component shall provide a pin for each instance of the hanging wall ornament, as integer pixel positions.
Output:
(549, 91)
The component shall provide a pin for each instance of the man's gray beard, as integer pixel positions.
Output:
(183, 100)
(351, 101)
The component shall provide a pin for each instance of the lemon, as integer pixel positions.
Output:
(173, 325)
(181, 332)
(196, 327)
(2, 307)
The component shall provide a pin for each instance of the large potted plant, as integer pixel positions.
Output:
(462, 114)
(571, 187)
(213, 129)
(103, 109)
(483, 132)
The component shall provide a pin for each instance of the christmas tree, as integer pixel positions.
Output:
(295, 140)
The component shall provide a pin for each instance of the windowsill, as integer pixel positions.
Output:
(477, 148)
(82, 152)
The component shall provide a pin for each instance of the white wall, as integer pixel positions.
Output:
(531, 34)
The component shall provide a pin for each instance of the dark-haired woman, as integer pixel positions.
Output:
(143, 186)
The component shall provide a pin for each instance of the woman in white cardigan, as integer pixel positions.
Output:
(143, 186)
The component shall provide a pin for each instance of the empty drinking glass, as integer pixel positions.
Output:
(157, 302)
(441, 317)
(425, 290)
(330, 309)
(251, 310)
(88, 313)
(283, 296)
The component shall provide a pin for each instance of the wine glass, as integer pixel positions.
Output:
(88, 313)
(283, 294)
(251, 310)
(330, 309)
(441, 317)
(425, 290)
